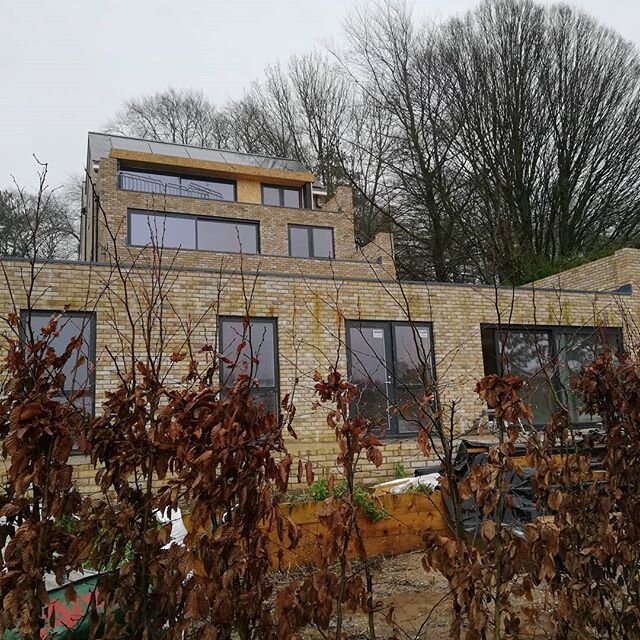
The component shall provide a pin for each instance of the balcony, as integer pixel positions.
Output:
(175, 185)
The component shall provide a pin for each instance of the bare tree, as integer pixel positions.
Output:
(546, 105)
(265, 120)
(396, 64)
(325, 105)
(45, 222)
(497, 146)
(364, 153)
(181, 116)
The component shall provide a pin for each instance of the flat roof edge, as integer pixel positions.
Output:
(626, 292)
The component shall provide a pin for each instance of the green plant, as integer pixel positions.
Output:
(320, 490)
(363, 499)
(399, 471)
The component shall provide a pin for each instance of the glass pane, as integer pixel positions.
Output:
(292, 198)
(70, 326)
(172, 232)
(575, 351)
(368, 367)
(268, 396)
(84, 403)
(413, 354)
(256, 357)
(408, 403)
(527, 354)
(323, 243)
(208, 189)
(299, 242)
(222, 235)
(271, 196)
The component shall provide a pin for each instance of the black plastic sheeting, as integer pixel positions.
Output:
(519, 483)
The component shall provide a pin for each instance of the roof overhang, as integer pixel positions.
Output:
(224, 168)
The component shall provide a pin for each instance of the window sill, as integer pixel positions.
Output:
(77, 458)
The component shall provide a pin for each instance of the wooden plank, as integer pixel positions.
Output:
(409, 516)
(296, 178)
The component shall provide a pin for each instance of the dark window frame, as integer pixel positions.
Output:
(310, 241)
(281, 189)
(553, 331)
(194, 218)
(276, 351)
(180, 176)
(25, 314)
(392, 429)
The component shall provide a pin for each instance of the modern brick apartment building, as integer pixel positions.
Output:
(244, 233)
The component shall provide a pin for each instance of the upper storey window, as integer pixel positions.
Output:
(310, 242)
(275, 196)
(170, 184)
(180, 231)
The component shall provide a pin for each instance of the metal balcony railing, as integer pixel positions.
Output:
(131, 181)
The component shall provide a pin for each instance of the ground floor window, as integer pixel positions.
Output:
(547, 358)
(392, 364)
(251, 348)
(79, 372)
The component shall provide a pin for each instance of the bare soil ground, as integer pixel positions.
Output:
(415, 595)
(421, 604)
(420, 600)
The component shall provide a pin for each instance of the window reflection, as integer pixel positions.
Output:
(276, 196)
(528, 355)
(176, 185)
(391, 363)
(171, 232)
(78, 370)
(310, 242)
(256, 358)
(175, 231)
(548, 360)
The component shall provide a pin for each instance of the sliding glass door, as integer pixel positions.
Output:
(392, 364)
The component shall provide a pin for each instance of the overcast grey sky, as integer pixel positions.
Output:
(67, 65)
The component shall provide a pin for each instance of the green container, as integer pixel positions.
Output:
(72, 619)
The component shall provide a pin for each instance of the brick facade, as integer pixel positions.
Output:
(311, 299)
(606, 274)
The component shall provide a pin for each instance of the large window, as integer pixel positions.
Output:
(282, 196)
(310, 242)
(172, 184)
(176, 231)
(547, 358)
(392, 364)
(252, 348)
(79, 375)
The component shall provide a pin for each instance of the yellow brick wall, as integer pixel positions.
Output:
(274, 239)
(311, 311)
(311, 300)
(605, 274)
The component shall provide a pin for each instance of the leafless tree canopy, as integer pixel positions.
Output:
(546, 111)
(45, 222)
(184, 117)
(498, 145)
